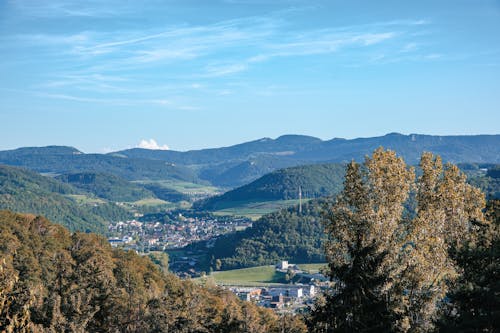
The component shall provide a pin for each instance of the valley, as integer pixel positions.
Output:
(213, 231)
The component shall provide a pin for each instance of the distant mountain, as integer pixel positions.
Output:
(314, 181)
(106, 186)
(59, 160)
(228, 166)
(28, 192)
(283, 146)
(240, 164)
(239, 173)
(454, 149)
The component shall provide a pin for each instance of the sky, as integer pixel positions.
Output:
(105, 75)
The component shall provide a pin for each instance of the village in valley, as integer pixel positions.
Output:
(155, 234)
(285, 298)
(149, 234)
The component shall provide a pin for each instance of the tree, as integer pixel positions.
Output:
(473, 303)
(388, 241)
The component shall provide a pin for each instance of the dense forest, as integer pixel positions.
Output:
(55, 281)
(106, 186)
(314, 181)
(26, 191)
(54, 159)
(282, 235)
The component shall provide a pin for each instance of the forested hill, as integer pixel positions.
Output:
(28, 192)
(106, 186)
(459, 148)
(282, 235)
(228, 166)
(55, 159)
(242, 163)
(54, 281)
(313, 180)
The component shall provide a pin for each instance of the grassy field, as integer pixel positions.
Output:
(184, 187)
(151, 202)
(255, 276)
(255, 210)
(311, 268)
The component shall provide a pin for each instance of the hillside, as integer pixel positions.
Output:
(240, 164)
(484, 176)
(314, 181)
(55, 281)
(282, 146)
(61, 160)
(227, 166)
(106, 186)
(282, 235)
(28, 192)
(288, 235)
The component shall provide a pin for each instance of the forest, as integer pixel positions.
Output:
(54, 281)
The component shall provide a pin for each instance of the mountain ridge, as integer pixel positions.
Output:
(236, 165)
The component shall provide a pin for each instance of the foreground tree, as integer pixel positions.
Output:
(54, 281)
(389, 236)
(473, 304)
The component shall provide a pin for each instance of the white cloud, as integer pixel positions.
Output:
(151, 144)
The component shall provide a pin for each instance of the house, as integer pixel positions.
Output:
(283, 265)
(293, 292)
(277, 302)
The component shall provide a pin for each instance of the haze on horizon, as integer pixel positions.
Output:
(108, 75)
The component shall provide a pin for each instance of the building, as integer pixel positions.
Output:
(283, 265)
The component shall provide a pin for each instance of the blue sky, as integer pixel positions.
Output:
(107, 75)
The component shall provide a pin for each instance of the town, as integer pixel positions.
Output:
(172, 230)
(284, 298)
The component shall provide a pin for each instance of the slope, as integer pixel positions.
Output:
(106, 186)
(26, 191)
(227, 166)
(313, 180)
(282, 235)
(55, 281)
(54, 159)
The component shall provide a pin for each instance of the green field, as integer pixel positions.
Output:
(254, 210)
(151, 202)
(184, 187)
(312, 268)
(255, 276)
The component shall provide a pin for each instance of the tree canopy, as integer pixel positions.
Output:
(55, 281)
(390, 236)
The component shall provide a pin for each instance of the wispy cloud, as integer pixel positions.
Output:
(223, 70)
(168, 104)
(70, 8)
(184, 55)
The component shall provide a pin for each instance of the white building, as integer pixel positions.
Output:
(283, 265)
